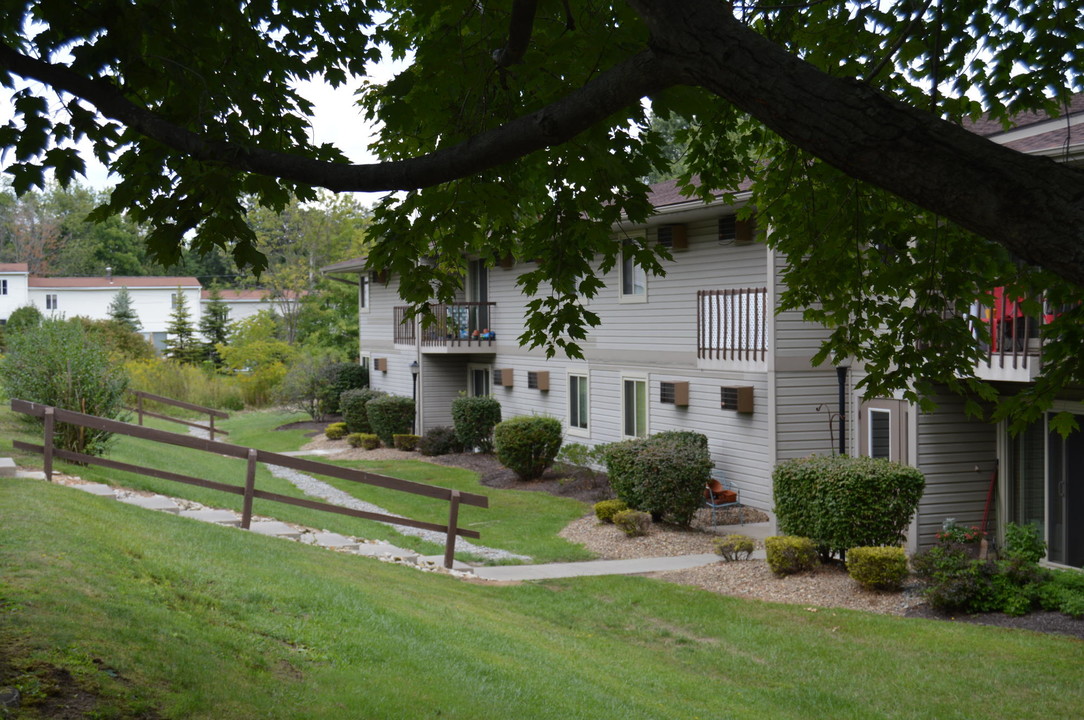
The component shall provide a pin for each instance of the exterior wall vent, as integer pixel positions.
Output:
(674, 393)
(538, 380)
(673, 237)
(739, 399)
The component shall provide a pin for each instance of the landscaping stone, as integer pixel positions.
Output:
(7, 467)
(335, 541)
(152, 502)
(220, 517)
(275, 529)
(96, 489)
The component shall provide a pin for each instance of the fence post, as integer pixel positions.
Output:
(212, 424)
(139, 407)
(50, 423)
(453, 518)
(250, 487)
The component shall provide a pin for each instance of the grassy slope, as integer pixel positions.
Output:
(148, 610)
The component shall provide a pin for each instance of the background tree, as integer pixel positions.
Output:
(258, 357)
(181, 342)
(514, 124)
(121, 310)
(214, 325)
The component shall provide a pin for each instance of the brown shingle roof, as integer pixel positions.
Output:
(14, 267)
(117, 282)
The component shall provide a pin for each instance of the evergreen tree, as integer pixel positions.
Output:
(214, 325)
(120, 309)
(181, 343)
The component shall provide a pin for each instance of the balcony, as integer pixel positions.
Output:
(731, 325)
(1015, 350)
(455, 327)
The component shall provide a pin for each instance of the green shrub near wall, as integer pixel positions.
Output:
(390, 415)
(842, 502)
(352, 406)
(439, 440)
(338, 378)
(474, 417)
(528, 444)
(664, 474)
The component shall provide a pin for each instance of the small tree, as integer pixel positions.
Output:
(121, 310)
(214, 325)
(181, 343)
(303, 387)
(21, 319)
(62, 365)
(257, 356)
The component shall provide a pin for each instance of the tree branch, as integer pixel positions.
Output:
(619, 87)
(520, 27)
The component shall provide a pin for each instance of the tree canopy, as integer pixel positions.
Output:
(519, 127)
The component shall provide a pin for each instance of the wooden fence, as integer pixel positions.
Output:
(211, 413)
(51, 416)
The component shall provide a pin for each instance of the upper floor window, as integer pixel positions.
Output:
(174, 300)
(633, 278)
(363, 292)
(3, 287)
(732, 324)
(50, 302)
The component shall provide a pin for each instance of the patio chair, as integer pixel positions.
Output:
(719, 494)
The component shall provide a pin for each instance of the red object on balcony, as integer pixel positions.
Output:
(1012, 330)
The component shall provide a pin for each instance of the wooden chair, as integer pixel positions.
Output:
(721, 494)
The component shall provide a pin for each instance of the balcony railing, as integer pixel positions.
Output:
(1014, 335)
(451, 325)
(732, 324)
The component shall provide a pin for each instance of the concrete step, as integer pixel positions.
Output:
(275, 528)
(96, 489)
(220, 517)
(7, 467)
(380, 549)
(438, 561)
(335, 541)
(152, 502)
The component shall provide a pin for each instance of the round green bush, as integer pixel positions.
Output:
(352, 406)
(788, 555)
(527, 444)
(734, 547)
(336, 431)
(877, 568)
(474, 417)
(606, 509)
(663, 475)
(439, 440)
(633, 522)
(390, 415)
(842, 502)
(365, 441)
(405, 442)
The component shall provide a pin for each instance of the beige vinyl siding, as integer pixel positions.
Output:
(794, 337)
(956, 454)
(801, 429)
(442, 379)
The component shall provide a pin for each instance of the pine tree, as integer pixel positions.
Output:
(120, 309)
(181, 343)
(214, 325)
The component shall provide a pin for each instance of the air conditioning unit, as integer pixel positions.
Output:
(739, 399)
(380, 364)
(503, 377)
(733, 231)
(538, 380)
(673, 237)
(674, 393)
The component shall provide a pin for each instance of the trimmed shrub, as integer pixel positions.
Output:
(606, 509)
(337, 378)
(527, 444)
(663, 474)
(336, 431)
(61, 365)
(352, 406)
(788, 554)
(365, 441)
(405, 442)
(633, 522)
(734, 547)
(439, 440)
(1063, 592)
(842, 502)
(877, 568)
(474, 417)
(1024, 542)
(390, 415)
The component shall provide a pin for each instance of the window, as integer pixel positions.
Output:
(633, 280)
(478, 379)
(578, 403)
(174, 300)
(50, 302)
(880, 433)
(3, 287)
(363, 292)
(634, 407)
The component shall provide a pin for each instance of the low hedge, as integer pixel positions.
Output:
(633, 522)
(527, 444)
(788, 555)
(439, 440)
(734, 547)
(335, 431)
(365, 441)
(606, 509)
(353, 406)
(390, 415)
(877, 568)
(842, 502)
(405, 442)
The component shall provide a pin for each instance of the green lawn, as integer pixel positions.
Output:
(521, 522)
(152, 613)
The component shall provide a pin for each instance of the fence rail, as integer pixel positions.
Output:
(248, 491)
(211, 413)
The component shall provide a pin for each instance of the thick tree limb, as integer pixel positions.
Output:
(520, 26)
(1031, 205)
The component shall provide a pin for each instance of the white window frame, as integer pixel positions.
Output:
(3, 286)
(471, 368)
(52, 302)
(364, 297)
(646, 430)
(870, 414)
(585, 411)
(632, 297)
